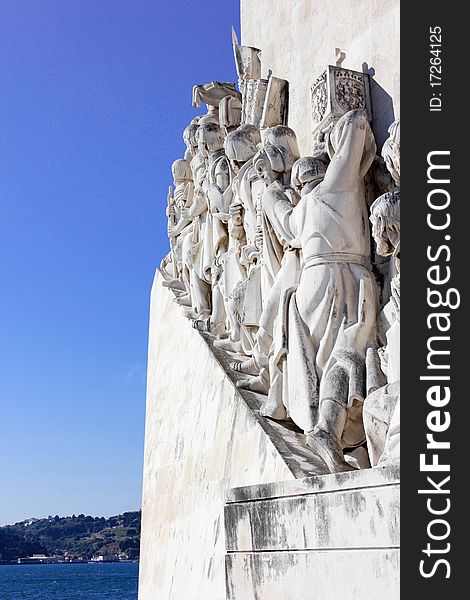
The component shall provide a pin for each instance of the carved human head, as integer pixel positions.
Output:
(241, 145)
(189, 136)
(210, 138)
(284, 138)
(270, 164)
(385, 219)
(181, 171)
(307, 169)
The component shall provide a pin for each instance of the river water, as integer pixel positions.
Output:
(89, 581)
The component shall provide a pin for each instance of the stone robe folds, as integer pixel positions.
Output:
(251, 190)
(183, 196)
(329, 319)
(209, 234)
(233, 271)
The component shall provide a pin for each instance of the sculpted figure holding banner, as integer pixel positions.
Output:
(330, 318)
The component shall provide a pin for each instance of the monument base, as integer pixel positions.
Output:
(319, 538)
(288, 534)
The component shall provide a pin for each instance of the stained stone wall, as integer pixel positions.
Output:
(298, 39)
(323, 538)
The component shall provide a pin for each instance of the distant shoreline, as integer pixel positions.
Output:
(88, 562)
(71, 539)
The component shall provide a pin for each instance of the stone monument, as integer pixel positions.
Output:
(273, 420)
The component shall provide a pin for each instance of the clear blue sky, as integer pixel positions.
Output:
(94, 95)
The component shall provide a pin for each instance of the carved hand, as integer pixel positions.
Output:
(237, 232)
(221, 216)
(235, 212)
(249, 255)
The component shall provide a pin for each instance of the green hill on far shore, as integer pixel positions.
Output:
(76, 536)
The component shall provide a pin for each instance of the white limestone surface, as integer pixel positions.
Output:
(320, 538)
(369, 574)
(355, 517)
(201, 439)
(298, 40)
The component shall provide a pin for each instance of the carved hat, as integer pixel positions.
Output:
(283, 137)
(280, 148)
(189, 134)
(180, 169)
(279, 160)
(307, 168)
(212, 135)
(241, 144)
(209, 117)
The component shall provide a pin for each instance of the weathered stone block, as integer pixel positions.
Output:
(325, 537)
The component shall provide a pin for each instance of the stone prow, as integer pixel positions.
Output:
(203, 437)
(285, 436)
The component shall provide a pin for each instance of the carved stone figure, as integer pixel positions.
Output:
(179, 201)
(330, 318)
(382, 406)
(271, 253)
(179, 226)
(391, 151)
(199, 297)
(280, 264)
(381, 403)
(270, 350)
(189, 138)
(242, 255)
(212, 209)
